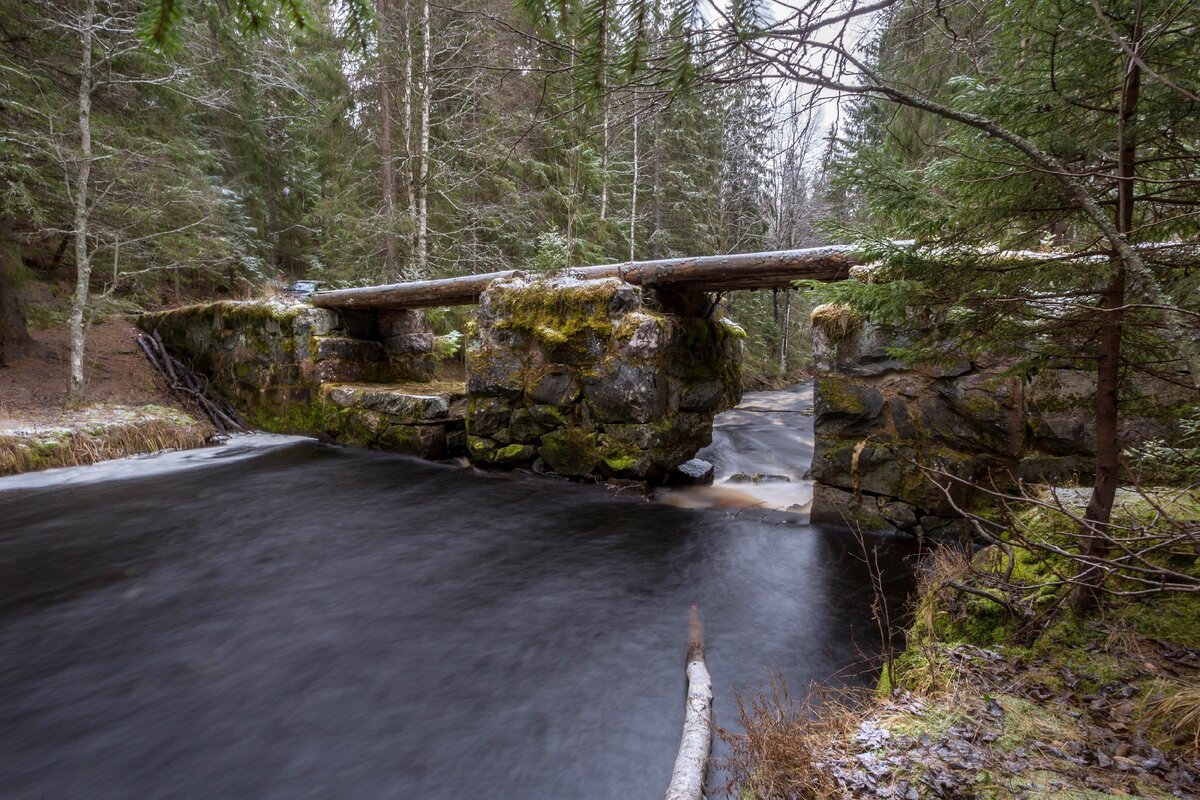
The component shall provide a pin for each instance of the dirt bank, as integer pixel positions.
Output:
(128, 409)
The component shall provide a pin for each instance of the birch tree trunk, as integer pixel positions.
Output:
(691, 763)
(423, 166)
(604, 170)
(83, 265)
(410, 182)
(633, 197)
(386, 156)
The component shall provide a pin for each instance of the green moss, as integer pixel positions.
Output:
(1171, 618)
(570, 451)
(732, 328)
(515, 454)
(280, 415)
(619, 456)
(401, 439)
(481, 448)
(547, 415)
(980, 406)
(834, 391)
(836, 320)
(556, 314)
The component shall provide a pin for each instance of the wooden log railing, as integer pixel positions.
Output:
(774, 270)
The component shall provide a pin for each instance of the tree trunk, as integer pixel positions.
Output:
(15, 341)
(83, 265)
(691, 763)
(423, 165)
(787, 325)
(604, 171)
(410, 178)
(1108, 369)
(706, 273)
(656, 190)
(391, 270)
(633, 196)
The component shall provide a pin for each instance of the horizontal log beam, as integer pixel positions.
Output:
(709, 273)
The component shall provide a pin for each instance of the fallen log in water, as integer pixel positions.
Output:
(708, 273)
(691, 764)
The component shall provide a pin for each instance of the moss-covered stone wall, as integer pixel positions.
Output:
(286, 367)
(587, 378)
(876, 417)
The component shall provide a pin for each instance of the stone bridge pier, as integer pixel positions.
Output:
(585, 378)
(596, 377)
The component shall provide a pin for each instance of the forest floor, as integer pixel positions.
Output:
(980, 706)
(128, 410)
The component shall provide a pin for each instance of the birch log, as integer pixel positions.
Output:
(691, 764)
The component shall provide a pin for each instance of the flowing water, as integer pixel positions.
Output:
(279, 618)
(760, 452)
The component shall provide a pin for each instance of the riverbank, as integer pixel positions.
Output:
(128, 412)
(992, 702)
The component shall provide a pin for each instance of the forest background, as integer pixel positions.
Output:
(435, 140)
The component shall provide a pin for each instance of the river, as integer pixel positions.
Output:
(279, 618)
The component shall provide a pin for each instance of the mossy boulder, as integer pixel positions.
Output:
(571, 451)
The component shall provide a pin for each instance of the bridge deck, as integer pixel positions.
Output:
(708, 273)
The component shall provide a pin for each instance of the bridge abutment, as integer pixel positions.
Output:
(356, 377)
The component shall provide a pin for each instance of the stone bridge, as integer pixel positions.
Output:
(608, 371)
(618, 371)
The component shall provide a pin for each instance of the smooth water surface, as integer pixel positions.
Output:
(295, 620)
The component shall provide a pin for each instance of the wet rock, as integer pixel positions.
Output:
(901, 515)
(345, 348)
(702, 396)
(625, 392)
(525, 427)
(494, 372)
(409, 343)
(555, 387)
(486, 415)
(514, 454)
(570, 451)
(695, 472)
(401, 322)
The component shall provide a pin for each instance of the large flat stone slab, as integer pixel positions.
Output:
(406, 404)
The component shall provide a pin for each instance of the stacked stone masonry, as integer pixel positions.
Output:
(352, 377)
(584, 378)
(587, 379)
(877, 417)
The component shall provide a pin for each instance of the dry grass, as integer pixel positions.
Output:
(837, 320)
(67, 447)
(1177, 710)
(947, 566)
(783, 753)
